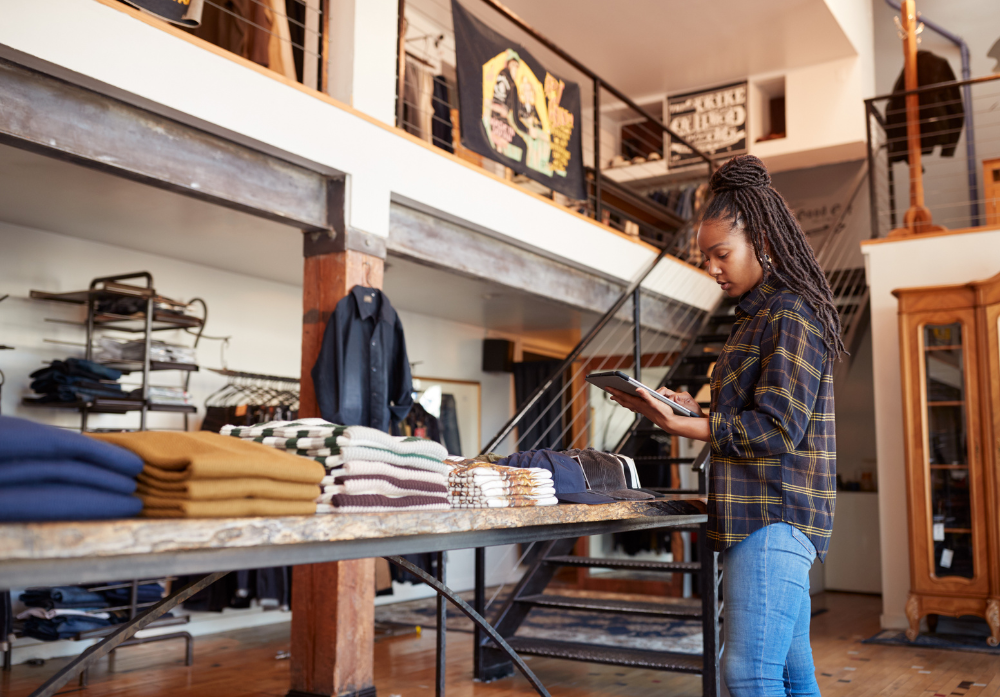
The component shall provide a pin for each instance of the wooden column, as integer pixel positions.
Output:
(917, 217)
(333, 604)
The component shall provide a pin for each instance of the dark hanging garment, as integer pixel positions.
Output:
(942, 113)
(449, 425)
(239, 26)
(441, 128)
(362, 375)
(546, 414)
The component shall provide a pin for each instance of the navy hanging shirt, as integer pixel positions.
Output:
(362, 375)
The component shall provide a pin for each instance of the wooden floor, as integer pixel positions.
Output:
(246, 662)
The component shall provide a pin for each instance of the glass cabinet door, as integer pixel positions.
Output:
(948, 450)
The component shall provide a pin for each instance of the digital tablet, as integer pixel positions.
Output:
(618, 380)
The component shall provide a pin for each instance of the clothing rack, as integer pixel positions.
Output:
(253, 376)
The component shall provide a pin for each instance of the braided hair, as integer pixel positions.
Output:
(742, 193)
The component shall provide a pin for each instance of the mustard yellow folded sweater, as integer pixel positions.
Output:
(219, 489)
(185, 456)
(154, 507)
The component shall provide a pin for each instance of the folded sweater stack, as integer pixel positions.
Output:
(49, 474)
(205, 475)
(367, 470)
(473, 484)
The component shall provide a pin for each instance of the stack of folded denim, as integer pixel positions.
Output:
(367, 470)
(75, 380)
(205, 475)
(63, 612)
(48, 473)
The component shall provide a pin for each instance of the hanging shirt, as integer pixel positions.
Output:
(362, 375)
(772, 423)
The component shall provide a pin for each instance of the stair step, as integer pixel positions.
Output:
(689, 380)
(690, 567)
(613, 655)
(711, 338)
(700, 359)
(683, 610)
(657, 460)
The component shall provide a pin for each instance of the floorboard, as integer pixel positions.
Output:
(249, 662)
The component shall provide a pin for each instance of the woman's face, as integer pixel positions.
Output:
(730, 258)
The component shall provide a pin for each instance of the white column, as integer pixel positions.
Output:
(362, 55)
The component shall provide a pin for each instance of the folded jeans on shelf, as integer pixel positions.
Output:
(63, 597)
(226, 489)
(63, 627)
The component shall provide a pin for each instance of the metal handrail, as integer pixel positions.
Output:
(573, 355)
(935, 86)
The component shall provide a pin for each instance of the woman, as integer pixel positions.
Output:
(771, 429)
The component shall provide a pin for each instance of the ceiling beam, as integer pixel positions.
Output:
(55, 118)
(432, 241)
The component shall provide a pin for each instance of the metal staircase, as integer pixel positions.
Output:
(530, 593)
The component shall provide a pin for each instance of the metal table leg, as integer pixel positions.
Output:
(124, 632)
(472, 615)
(442, 628)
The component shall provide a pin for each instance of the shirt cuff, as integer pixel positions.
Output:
(720, 429)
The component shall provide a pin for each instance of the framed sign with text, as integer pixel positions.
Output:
(714, 121)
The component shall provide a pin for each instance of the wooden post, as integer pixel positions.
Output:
(917, 217)
(333, 604)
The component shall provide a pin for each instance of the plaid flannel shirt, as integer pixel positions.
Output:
(772, 422)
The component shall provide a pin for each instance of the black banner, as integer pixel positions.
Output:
(514, 111)
(714, 121)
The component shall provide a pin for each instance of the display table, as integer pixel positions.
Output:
(47, 554)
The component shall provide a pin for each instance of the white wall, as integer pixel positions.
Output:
(151, 66)
(946, 259)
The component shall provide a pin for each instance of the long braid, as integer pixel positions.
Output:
(743, 194)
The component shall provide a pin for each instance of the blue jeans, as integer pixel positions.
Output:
(766, 650)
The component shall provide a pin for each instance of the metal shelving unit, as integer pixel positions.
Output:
(144, 323)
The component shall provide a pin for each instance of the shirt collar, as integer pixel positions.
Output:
(377, 303)
(753, 300)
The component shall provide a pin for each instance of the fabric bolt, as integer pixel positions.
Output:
(376, 502)
(61, 597)
(766, 587)
(157, 507)
(25, 440)
(55, 502)
(219, 489)
(204, 455)
(64, 472)
(772, 422)
(362, 373)
(367, 468)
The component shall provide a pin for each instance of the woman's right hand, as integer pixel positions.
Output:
(683, 398)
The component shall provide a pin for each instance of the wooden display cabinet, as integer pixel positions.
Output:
(951, 402)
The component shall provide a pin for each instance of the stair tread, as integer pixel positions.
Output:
(711, 338)
(632, 564)
(680, 610)
(614, 655)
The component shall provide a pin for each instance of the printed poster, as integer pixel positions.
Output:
(514, 111)
(714, 121)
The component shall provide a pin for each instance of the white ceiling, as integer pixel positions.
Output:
(56, 196)
(652, 47)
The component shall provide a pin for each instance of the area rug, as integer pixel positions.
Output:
(652, 633)
(953, 634)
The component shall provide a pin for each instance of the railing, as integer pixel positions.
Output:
(626, 145)
(959, 165)
(641, 334)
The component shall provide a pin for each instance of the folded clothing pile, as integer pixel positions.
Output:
(206, 475)
(175, 396)
(63, 612)
(473, 484)
(75, 380)
(49, 474)
(111, 350)
(367, 470)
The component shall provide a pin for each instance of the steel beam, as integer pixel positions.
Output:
(55, 118)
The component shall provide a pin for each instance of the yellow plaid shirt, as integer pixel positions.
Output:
(774, 449)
